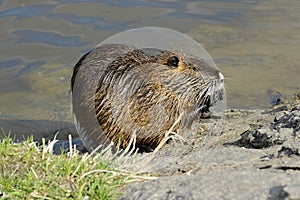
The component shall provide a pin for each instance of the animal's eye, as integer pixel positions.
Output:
(173, 62)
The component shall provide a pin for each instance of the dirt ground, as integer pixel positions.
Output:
(256, 156)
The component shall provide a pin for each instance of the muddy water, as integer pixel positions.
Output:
(256, 45)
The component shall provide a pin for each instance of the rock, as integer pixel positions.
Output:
(20, 129)
(277, 193)
(259, 138)
(293, 191)
(288, 120)
(288, 151)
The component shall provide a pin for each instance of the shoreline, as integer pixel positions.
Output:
(256, 157)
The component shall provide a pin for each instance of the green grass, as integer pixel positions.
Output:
(31, 172)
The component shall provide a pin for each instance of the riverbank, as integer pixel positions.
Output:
(257, 156)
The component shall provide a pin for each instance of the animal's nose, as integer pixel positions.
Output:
(221, 77)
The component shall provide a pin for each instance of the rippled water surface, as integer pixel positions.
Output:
(255, 43)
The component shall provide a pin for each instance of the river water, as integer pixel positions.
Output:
(255, 43)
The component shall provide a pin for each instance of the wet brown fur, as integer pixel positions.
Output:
(138, 92)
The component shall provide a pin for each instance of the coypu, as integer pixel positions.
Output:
(118, 90)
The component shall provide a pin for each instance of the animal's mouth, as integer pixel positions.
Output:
(206, 104)
(216, 91)
(211, 97)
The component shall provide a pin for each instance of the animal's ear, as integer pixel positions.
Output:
(173, 62)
